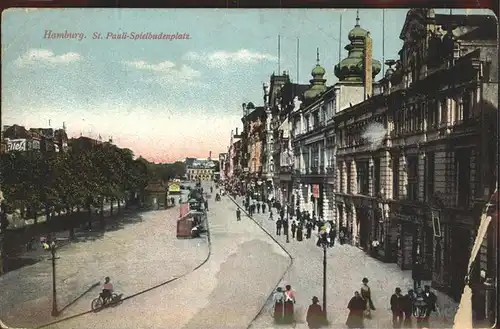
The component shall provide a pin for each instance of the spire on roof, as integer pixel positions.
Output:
(317, 55)
(357, 17)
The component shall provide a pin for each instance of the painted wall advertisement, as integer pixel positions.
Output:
(315, 191)
(16, 145)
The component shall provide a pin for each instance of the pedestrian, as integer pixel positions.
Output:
(270, 214)
(289, 304)
(430, 299)
(417, 274)
(238, 214)
(315, 316)
(258, 207)
(309, 227)
(367, 296)
(279, 305)
(397, 303)
(278, 227)
(282, 213)
(285, 228)
(332, 234)
(356, 308)
(263, 207)
(407, 306)
(300, 231)
(294, 229)
(206, 205)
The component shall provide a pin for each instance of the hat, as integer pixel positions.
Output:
(315, 299)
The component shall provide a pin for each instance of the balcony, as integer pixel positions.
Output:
(286, 170)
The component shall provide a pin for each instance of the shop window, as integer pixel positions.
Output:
(348, 172)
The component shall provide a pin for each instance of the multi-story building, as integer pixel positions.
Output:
(414, 160)
(312, 149)
(18, 138)
(200, 169)
(253, 141)
(283, 105)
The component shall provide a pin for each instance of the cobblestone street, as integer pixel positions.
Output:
(227, 292)
(142, 253)
(346, 267)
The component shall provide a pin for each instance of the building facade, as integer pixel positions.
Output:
(411, 177)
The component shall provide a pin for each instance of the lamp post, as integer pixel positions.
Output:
(50, 245)
(324, 243)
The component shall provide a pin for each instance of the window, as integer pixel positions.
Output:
(341, 179)
(314, 156)
(432, 113)
(348, 172)
(395, 177)
(376, 176)
(412, 169)
(308, 123)
(462, 176)
(362, 177)
(444, 111)
(429, 176)
(466, 105)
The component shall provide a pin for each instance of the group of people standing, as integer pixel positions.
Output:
(284, 301)
(419, 304)
(360, 306)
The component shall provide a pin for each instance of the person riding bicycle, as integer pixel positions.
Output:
(107, 290)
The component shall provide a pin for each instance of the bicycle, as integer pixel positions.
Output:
(99, 302)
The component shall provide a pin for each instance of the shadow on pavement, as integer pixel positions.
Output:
(78, 298)
(15, 254)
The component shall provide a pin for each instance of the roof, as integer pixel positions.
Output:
(290, 90)
(252, 116)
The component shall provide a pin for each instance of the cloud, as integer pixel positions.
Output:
(219, 59)
(45, 56)
(167, 71)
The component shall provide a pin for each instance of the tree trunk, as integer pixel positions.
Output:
(47, 212)
(118, 205)
(71, 225)
(111, 207)
(89, 217)
(35, 216)
(101, 213)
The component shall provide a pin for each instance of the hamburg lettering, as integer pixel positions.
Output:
(49, 34)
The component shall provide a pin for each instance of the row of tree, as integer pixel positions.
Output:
(82, 178)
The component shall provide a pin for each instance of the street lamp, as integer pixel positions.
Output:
(50, 245)
(324, 243)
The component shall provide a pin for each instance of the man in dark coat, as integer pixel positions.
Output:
(300, 231)
(309, 226)
(315, 316)
(397, 301)
(258, 207)
(285, 227)
(417, 273)
(294, 229)
(263, 207)
(430, 300)
(278, 226)
(408, 300)
(332, 235)
(238, 214)
(282, 213)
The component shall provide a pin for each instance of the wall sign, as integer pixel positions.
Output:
(16, 145)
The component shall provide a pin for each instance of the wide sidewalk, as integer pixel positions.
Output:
(346, 267)
(137, 254)
(226, 292)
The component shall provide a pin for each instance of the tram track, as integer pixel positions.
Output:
(262, 309)
(209, 254)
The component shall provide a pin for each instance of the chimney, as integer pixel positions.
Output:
(368, 78)
(244, 106)
(236, 131)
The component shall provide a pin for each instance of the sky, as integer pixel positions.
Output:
(167, 99)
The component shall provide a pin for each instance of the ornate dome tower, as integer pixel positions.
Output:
(351, 69)
(317, 82)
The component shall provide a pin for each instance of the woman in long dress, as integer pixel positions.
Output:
(356, 308)
(279, 304)
(289, 304)
(367, 296)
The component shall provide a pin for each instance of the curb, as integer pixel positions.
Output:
(282, 248)
(209, 239)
